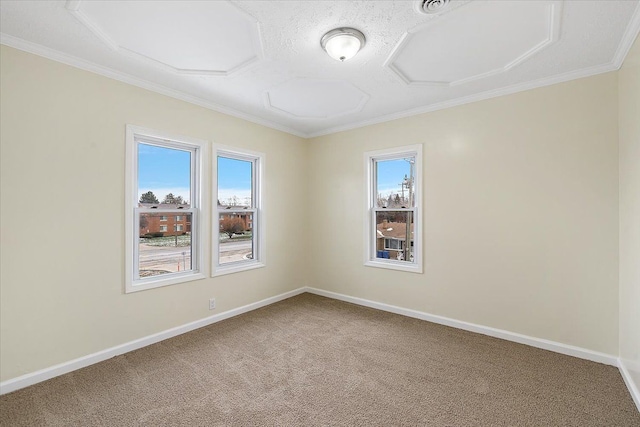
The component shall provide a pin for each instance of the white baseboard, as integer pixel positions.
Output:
(579, 352)
(63, 368)
(632, 385)
(557, 347)
(81, 362)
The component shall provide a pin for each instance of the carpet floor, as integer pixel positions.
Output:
(311, 360)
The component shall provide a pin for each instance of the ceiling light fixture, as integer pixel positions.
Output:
(342, 43)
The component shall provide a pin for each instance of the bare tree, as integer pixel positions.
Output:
(173, 200)
(144, 222)
(231, 225)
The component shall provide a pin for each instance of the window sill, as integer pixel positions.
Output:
(236, 268)
(395, 265)
(158, 283)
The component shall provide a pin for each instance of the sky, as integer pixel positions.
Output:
(390, 175)
(234, 179)
(163, 171)
(166, 170)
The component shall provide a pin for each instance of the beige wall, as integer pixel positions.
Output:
(520, 213)
(63, 151)
(629, 107)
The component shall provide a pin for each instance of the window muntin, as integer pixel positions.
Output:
(163, 206)
(393, 206)
(238, 237)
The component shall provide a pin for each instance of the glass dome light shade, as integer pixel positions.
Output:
(342, 43)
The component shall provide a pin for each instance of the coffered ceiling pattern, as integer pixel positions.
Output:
(320, 99)
(164, 32)
(521, 29)
(261, 60)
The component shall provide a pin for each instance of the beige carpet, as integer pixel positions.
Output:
(315, 361)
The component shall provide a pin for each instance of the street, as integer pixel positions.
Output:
(156, 260)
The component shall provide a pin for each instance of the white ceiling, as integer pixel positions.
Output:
(261, 60)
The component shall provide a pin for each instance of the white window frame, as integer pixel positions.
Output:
(257, 210)
(179, 227)
(199, 150)
(163, 228)
(370, 233)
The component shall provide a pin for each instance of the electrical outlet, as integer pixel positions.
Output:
(212, 303)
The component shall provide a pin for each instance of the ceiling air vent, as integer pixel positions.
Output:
(432, 7)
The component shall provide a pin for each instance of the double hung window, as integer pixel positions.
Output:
(238, 235)
(163, 209)
(394, 226)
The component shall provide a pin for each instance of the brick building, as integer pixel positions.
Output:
(246, 218)
(167, 223)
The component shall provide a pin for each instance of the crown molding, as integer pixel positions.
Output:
(520, 87)
(92, 67)
(630, 35)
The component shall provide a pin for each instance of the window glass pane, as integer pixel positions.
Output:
(234, 182)
(392, 234)
(395, 186)
(164, 247)
(164, 175)
(236, 237)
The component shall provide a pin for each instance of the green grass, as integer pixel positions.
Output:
(246, 236)
(185, 240)
(167, 241)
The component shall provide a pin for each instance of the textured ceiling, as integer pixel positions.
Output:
(262, 60)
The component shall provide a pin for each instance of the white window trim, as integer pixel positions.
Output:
(131, 219)
(370, 259)
(163, 226)
(258, 221)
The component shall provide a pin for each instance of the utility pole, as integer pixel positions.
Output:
(402, 185)
(408, 182)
